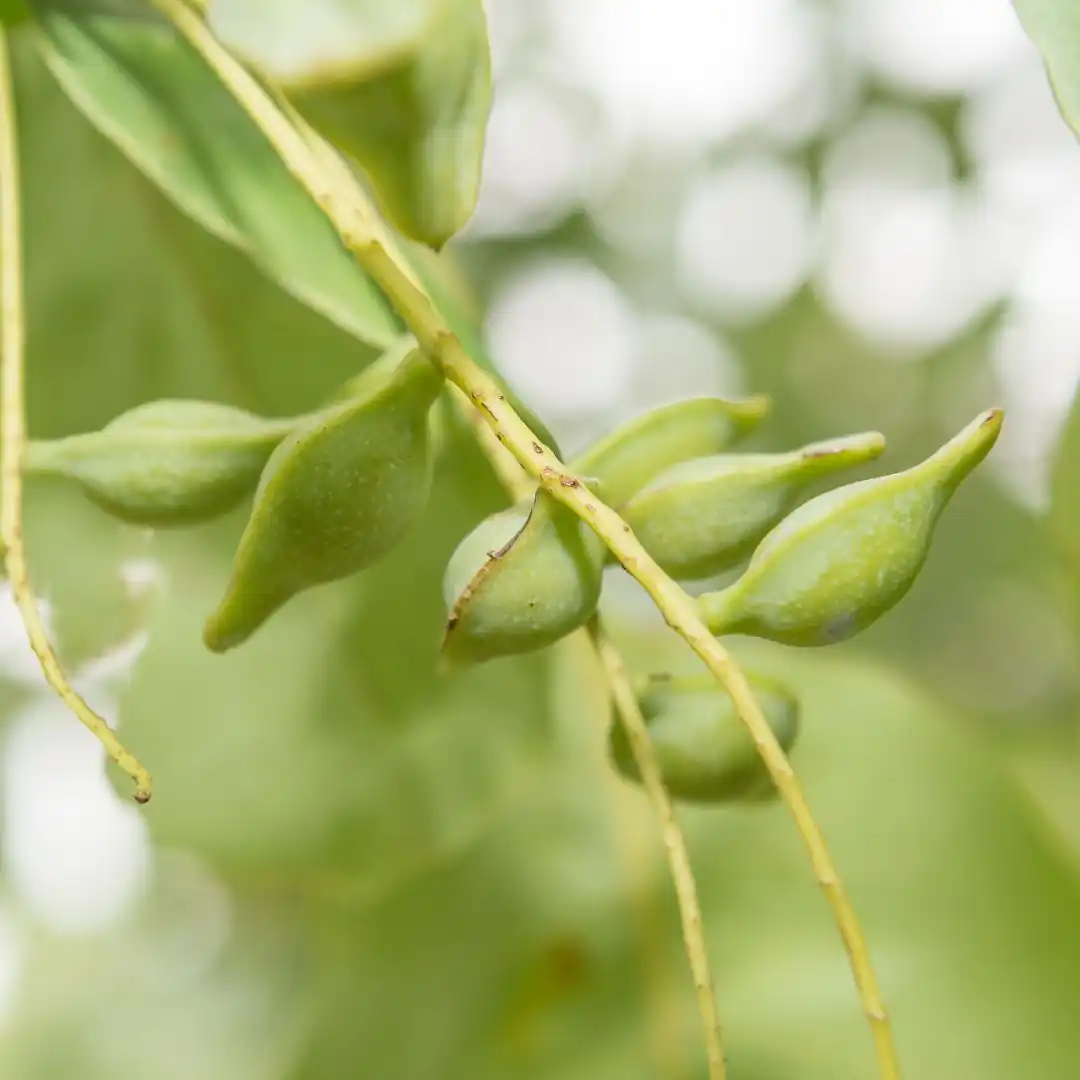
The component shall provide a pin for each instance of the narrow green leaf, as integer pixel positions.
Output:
(403, 87)
(1054, 26)
(147, 91)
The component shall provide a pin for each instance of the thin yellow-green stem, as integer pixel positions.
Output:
(13, 433)
(516, 482)
(626, 706)
(348, 210)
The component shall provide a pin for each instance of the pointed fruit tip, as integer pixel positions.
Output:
(752, 408)
(215, 640)
(862, 447)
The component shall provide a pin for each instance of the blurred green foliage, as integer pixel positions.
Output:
(441, 877)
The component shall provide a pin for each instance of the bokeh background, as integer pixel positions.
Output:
(869, 209)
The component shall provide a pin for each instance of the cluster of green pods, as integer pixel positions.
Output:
(333, 490)
(336, 489)
(815, 574)
(530, 575)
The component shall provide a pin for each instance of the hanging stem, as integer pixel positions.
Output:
(13, 434)
(347, 208)
(629, 713)
(515, 481)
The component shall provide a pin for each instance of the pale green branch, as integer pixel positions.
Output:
(13, 434)
(348, 210)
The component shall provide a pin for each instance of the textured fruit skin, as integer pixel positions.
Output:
(337, 495)
(638, 451)
(520, 581)
(845, 558)
(704, 750)
(704, 516)
(165, 464)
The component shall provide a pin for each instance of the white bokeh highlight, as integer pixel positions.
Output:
(685, 71)
(75, 855)
(746, 237)
(904, 258)
(932, 46)
(563, 335)
(540, 158)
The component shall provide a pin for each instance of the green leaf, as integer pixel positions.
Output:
(149, 92)
(130, 301)
(1054, 26)
(402, 87)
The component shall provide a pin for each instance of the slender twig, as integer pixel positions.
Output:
(624, 699)
(629, 713)
(13, 434)
(349, 211)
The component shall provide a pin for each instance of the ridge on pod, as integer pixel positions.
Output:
(842, 560)
(706, 515)
(337, 494)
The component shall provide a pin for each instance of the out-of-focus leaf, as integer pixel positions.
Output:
(527, 954)
(150, 93)
(1054, 26)
(403, 87)
(525, 958)
(13, 12)
(130, 300)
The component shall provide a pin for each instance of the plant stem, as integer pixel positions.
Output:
(624, 699)
(13, 434)
(629, 713)
(348, 210)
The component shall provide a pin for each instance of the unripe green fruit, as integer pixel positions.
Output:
(520, 581)
(705, 753)
(166, 463)
(845, 558)
(705, 516)
(640, 450)
(338, 494)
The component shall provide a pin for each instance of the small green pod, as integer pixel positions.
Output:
(705, 753)
(166, 463)
(843, 559)
(707, 515)
(637, 452)
(337, 495)
(520, 581)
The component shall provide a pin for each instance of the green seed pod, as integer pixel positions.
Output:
(640, 450)
(337, 495)
(520, 581)
(706, 515)
(705, 752)
(845, 558)
(166, 463)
